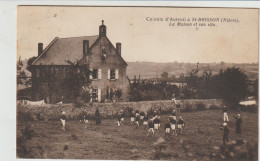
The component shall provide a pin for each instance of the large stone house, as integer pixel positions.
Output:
(107, 65)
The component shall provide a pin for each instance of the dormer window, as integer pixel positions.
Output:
(103, 52)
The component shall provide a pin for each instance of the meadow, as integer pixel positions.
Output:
(201, 138)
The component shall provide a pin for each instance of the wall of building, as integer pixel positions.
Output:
(112, 61)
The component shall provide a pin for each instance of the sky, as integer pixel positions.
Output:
(143, 39)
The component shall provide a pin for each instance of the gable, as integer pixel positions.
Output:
(63, 49)
(112, 56)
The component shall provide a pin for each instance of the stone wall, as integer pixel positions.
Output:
(52, 112)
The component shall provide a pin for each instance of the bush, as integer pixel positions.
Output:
(213, 107)
(187, 107)
(200, 106)
(79, 102)
(25, 116)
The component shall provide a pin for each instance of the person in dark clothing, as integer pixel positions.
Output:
(238, 123)
(180, 124)
(98, 118)
(151, 127)
(167, 129)
(173, 123)
(145, 123)
(156, 122)
(173, 113)
(142, 114)
(137, 119)
(226, 132)
(136, 111)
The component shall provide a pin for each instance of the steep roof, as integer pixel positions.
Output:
(62, 49)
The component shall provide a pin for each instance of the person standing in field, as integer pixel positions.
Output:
(151, 127)
(145, 123)
(98, 118)
(173, 122)
(142, 114)
(225, 109)
(63, 120)
(226, 132)
(137, 119)
(167, 128)
(132, 117)
(173, 113)
(180, 124)
(156, 122)
(119, 117)
(238, 123)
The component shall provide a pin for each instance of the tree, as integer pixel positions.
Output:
(164, 75)
(231, 85)
(29, 62)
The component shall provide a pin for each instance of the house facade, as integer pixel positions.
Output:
(104, 60)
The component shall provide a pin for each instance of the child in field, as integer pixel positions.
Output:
(142, 116)
(226, 132)
(151, 127)
(119, 117)
(122, 116)
(156, 122)
(145, 123)
(63, 120)
(173, 122)
(137, 119)
(225, 109)
(167, 129)
(132, 117)
(173, 113)
(136, 112)
(181, 124)
(85, 117)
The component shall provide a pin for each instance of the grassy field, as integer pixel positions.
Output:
(202, 132)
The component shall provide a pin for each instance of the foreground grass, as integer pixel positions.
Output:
(201, 133)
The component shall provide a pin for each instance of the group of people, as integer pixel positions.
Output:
(225, 128)
(154, 122)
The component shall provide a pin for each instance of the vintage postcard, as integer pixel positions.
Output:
(137, 83)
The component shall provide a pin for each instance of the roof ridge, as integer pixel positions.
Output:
(77, 37)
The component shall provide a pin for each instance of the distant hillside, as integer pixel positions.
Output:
(151, 69)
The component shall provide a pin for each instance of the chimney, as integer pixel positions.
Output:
(118, 48)
(102, 29)
(40, 48)
(85, 47)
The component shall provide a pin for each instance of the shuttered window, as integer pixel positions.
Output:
(108, 74)
(90, 75)
(116, 73)
(99, 73)
(99, 95)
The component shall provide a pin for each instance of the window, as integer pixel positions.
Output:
(112, 74)
(96, 95)
(96, 74)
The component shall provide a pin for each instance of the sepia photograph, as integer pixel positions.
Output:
(137, 83)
